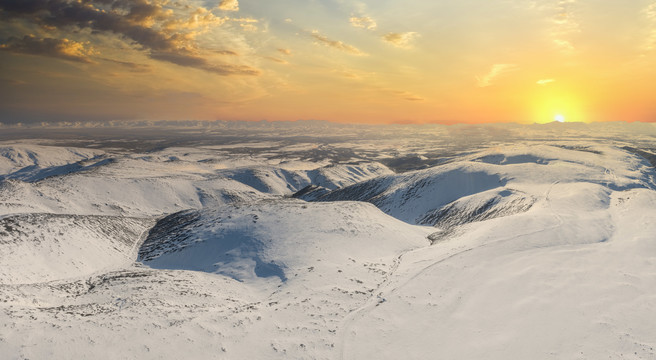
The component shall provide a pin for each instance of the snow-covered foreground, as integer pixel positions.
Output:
(531, 251)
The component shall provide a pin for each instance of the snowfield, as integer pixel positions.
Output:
(529, 250)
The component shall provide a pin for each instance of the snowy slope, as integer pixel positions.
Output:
(277, 239)
(34, 162)
(269, 280)
(18, 156)
(279, 181)
(44, 247)
(153, 184)
(496, 182)
(540, 252)
(572, 280)
(107, 195)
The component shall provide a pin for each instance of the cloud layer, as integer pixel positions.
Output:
(59, 48)
(162, 33)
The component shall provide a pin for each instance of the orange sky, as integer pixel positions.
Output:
(375, 61)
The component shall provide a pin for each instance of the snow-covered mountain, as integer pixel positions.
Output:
(496, 182)
(530, 250)
(156, 183)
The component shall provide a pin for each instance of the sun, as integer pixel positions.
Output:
(559, 118)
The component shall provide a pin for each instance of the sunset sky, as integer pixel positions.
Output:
(376, 61)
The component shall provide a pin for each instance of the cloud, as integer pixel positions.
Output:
(229, 5)
(275, 59)
(58, 48)
(285, 51)
(414, 98)
(244, 20)
(160, 32)
(202, 63)
(13, 82)
(121, 20)
(564, 45)
(650, 11)
(364, 22)
(495, 72)
(335, 44)
(349, 74)
(226, 52)
(248, 27)
(402, 40)
(650, 14)
(545, 81)
(134, 67)
(564, 23)
(403, 95)
(201, 18)
(246, 24)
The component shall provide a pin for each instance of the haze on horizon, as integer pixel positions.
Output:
(339, 60)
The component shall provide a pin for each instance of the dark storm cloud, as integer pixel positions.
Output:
(59, 48)
(131, 19)
(62, 14)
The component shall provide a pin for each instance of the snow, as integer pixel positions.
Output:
(160, 183)
(281, 238)
(415, 196)
(535, 250)
(32, 162)
(575, 287)
(44, 247)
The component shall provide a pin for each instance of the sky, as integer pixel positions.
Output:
(378, 61)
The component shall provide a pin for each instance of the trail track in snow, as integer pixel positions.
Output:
(386, 288)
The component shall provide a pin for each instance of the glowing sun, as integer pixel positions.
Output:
(559, 118)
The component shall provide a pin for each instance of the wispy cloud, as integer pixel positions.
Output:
(565, 23)
(404, 95)
(203, 64)
(349, 74)
(650, 13)
(248, 27)
(335, 44)
(277, 60)
(495, 72)
(364, 22)
(229, 5)
(285, 51)
(226, 52)
(58, 48)
(131, 66)
(402, 40)
(545, 81)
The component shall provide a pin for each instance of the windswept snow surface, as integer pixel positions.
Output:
(520, 174)
(530, 250)
(279, 239)
(44, 247)
(157, 183)
(34, 162)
